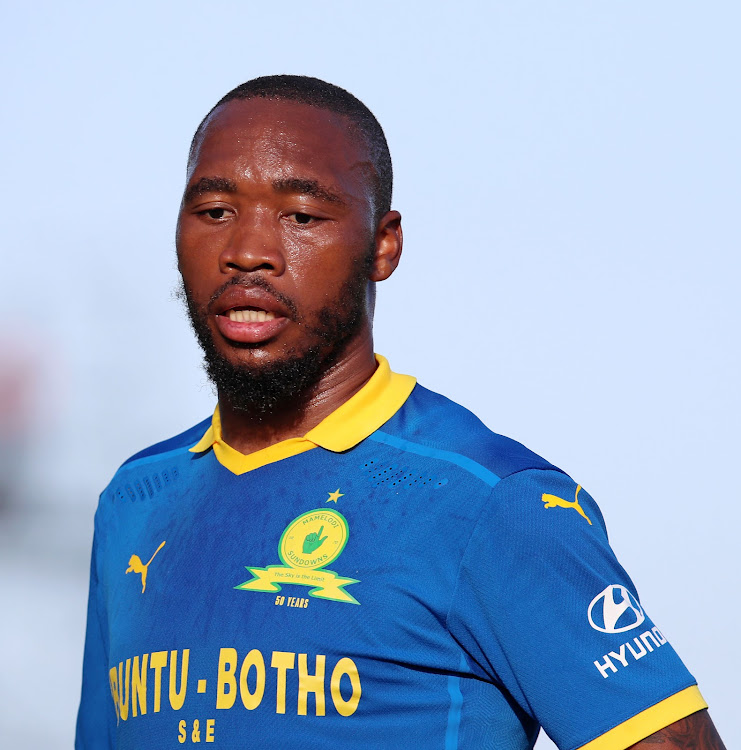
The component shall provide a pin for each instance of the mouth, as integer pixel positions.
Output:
(249, 315)
(250, 323)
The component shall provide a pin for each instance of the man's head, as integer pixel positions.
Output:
(317, 93)
(283, 228)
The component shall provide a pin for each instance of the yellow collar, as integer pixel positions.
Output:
(372, 406)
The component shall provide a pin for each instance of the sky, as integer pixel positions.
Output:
(569, 176)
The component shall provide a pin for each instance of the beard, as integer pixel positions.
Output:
(285, 384)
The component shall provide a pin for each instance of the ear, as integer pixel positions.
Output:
(389, 240)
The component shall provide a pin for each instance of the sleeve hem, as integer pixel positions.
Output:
(644, 724)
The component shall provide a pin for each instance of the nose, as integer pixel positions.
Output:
(253, 245)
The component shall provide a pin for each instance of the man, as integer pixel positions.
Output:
(339, 557)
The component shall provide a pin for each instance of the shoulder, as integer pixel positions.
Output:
(155, 466)
(444, 429)
(185, 440)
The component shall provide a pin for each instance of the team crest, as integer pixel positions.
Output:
(308, 544)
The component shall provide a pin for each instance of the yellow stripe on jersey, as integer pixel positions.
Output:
(644, 724)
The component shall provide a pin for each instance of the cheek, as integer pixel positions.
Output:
(185, 264)
(333, 253)
(308, 263)
(196, 243)
(195, 276)
(194, 253)
(183, 237)
(183, 249)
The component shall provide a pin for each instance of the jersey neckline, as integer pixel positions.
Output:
(360, 416)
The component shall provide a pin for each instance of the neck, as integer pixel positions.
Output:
(248, 433)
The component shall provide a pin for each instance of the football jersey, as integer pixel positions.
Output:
(398, 576)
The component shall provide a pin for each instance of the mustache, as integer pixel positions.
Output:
(248, 281)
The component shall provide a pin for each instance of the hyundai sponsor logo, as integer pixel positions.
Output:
(615, 610)
(608, 664)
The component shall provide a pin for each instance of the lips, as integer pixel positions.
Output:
(249, 315)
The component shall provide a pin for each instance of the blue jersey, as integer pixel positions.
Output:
(399, 576)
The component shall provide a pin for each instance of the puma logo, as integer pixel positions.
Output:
(137, 566)
(551, 501)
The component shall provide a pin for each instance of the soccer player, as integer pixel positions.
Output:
(338, 557)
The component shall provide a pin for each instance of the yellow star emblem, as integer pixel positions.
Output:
(333, 496)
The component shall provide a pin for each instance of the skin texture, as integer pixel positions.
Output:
(278, 199)
(696, 732)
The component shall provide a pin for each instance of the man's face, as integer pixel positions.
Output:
(275, 242)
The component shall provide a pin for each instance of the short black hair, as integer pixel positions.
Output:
(323, 95)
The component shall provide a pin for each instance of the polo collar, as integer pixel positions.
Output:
(360, 416)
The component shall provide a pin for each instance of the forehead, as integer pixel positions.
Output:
(256, 138)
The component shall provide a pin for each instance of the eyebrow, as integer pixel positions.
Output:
(311, 188)
(209, 185)
(308, 187)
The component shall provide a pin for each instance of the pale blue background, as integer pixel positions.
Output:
(570, 179)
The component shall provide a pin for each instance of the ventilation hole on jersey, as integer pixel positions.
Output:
(399, 476)
(146, 487)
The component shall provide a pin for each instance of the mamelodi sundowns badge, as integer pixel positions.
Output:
(308, 544)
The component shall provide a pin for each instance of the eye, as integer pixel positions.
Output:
(215, 214)
(304, 219)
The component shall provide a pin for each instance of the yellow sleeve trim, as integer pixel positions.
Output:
(644, 724)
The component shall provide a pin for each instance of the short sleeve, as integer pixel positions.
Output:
(543, 609)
